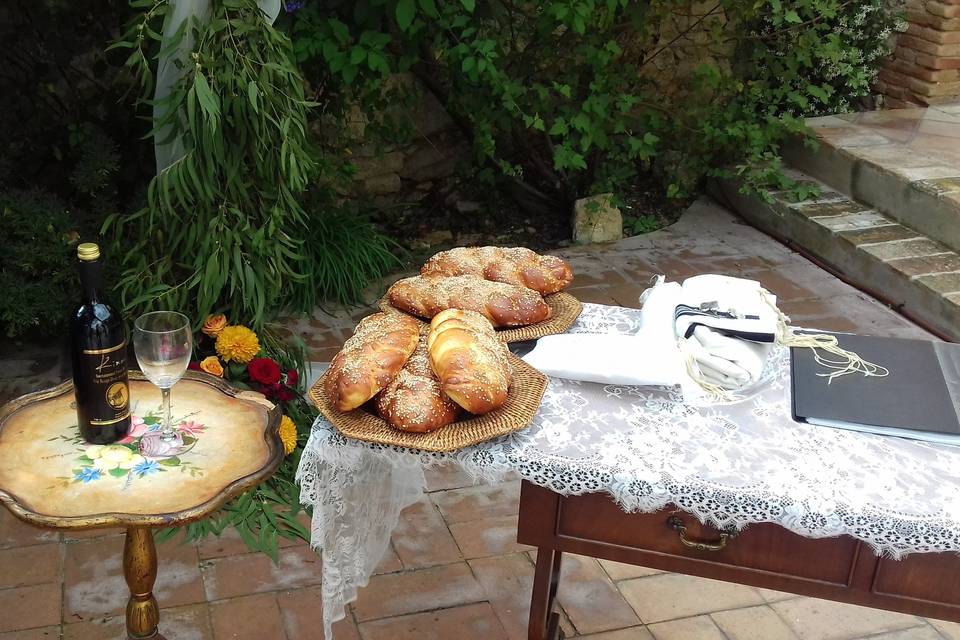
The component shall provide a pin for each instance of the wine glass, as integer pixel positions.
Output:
(163, 343)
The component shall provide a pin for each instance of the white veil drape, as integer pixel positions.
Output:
(172, 62)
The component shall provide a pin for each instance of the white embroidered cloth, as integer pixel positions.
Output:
(730, 465)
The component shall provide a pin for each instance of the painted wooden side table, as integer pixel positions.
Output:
(51, 478)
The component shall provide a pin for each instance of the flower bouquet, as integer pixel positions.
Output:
(272, 366)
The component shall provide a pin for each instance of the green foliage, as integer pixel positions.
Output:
(574, 97)
(346, 253)
(37, 281)
(270, 512)
(223, 225)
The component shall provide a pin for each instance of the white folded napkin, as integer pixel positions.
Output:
(608, 359)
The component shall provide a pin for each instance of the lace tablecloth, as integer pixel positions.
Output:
(730, 465)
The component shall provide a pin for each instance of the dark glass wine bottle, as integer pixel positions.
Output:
(98, 344)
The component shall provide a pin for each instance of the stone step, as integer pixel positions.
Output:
(917, 273)
(904, 163)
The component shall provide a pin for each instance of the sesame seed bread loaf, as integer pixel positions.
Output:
(380, 346)
(514, 265)
(469, 360)
(505, 305)
(413, 401)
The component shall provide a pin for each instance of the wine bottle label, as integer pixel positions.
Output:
(106, 369)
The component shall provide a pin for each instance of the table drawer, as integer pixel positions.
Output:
(763, 547)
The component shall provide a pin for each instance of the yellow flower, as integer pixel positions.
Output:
(211, 364)
(213, 325)
(237, 344)
(288, 434)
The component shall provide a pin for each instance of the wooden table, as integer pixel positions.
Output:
(51, 478)
(762, 555)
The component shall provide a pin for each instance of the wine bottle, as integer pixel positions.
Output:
(98, 343)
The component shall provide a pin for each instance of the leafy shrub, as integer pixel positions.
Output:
(565, 98)
(38, 286)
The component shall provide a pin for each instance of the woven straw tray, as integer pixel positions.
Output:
(566, 309)
(523, 400)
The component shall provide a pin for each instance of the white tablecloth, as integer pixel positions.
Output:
(730, 465)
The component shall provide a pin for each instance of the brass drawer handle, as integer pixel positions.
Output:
(675, 523)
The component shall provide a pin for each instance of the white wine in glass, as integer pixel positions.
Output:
(163, 343)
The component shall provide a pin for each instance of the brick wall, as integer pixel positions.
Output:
(925, 67)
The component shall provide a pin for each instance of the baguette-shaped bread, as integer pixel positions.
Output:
(514, 265)
(413, 401)
(505, 305)
(370, 358)
(469, 360)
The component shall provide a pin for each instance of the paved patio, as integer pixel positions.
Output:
(454, 569)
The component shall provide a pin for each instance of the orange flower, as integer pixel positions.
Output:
(213, 325)
(211, 364)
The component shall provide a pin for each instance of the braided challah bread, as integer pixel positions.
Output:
(514, 265)
(413, 401)
(469, 361)
(505, 305)
(370, 359)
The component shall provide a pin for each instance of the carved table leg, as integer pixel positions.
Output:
(544, 621)
(140, 571)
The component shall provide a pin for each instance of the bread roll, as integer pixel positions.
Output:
(505, 305)
(370, 359)
(469, 360)
(413, 401)
(516, 265)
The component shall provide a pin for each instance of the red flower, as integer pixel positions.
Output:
(264, 371)
(285, 394)
(194, 365)
(292, 378)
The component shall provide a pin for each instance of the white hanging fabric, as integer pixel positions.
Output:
(173, 62)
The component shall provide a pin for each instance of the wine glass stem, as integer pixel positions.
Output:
(167, 427)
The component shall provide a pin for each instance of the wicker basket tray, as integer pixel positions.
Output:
(566, 309)
(523, 400)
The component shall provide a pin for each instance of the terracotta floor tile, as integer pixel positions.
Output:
(814, 619)
(249, 618)
(390, 563)
(699, 628)
(87, 534)
(234, 576)
(508, 584)
(593, 295)
(190, 622)
(476, 503)
(302, 615)
(422, 538)
(620, 571)
(94, 584)
(917, 633)
(671, 595)
(16, 533)
(769, 595)
(44, 633)
(633, 633)
(471, 621)
(398, 594)
(751, 623)
(590, 598)
(30, 565)
(448, 476)
(949, 630)
(228, 544)
(29, 607)
(488, 537)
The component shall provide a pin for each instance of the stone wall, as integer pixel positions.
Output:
(408, 172)
(925, 67)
